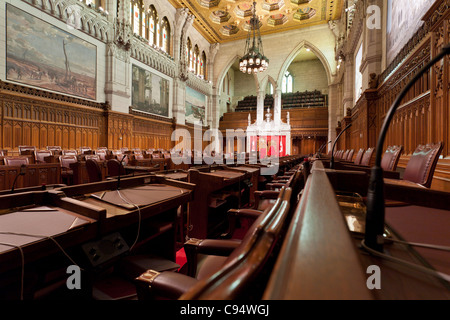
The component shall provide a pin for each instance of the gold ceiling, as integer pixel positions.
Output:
(227, 20)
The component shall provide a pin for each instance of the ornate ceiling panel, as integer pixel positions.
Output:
(227, 20)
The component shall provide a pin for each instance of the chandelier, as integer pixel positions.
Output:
(254, 60)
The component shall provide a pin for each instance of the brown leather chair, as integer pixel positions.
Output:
(367, 157)
(66, 171)
(56, 150)
(39, 155)
(226, 257)
(16, 161)
(391, 157)
(26, 150)
(115, 168)
(94, 170)
(359, 156)
(95, 157)
(69, 152)
(421, 165)
(350, 155)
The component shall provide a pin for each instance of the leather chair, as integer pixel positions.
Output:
(66, 171)
(350, 155)
(115, 168)
(391, 157)
(69, 152)
(266, 198)
(359, 156)
(94, 170)
(95, 157)
(39, 155)
(225, 258)
(26, 150)
(367, 157)
(16, 161)
(56, 150)
(420, 168)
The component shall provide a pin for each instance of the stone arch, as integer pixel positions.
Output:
(294, 53)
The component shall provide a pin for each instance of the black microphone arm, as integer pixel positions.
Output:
(373, 237)
(321, 147)
(120, 167)
(22, 171)
(334, 145)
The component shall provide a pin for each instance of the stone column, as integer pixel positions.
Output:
(118, 82)
(277, 107)
(260, 107)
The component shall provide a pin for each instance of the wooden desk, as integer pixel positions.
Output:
(80, 173)
(45, 266)
(254, 172)
(157, 199)
(321, 259)
(179, 175)
(36, 175)
(216, 191)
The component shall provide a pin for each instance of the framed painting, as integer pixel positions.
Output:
(195, 106)
(41, 55)
(150, 92)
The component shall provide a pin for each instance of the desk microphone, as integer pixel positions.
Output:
(373, 237)
(120, 167)
(321, 147)
(22, 171)
(334, 145)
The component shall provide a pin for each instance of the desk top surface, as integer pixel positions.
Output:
(36, 223)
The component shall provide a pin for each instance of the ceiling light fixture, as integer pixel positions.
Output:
(254, 60)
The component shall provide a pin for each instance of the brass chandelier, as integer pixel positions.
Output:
(254, 60)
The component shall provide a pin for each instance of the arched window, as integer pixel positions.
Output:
(189, 53)
(288, 83)
(152, 19)
(136, 15)
(196, 60)
(203, 65)
(165, 35)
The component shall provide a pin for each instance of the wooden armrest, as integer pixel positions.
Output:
(153, 285)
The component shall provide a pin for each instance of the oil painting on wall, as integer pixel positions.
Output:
(195, 106)
(41, 55)
(403, 21)
(150, 92)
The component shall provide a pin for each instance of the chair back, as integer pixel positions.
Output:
(245, 275)
(115, 168)
(359, 156)
(391, 157)
(39, 155)
(95, 157)
(16, 161)
(94, 170)
(83, 150)
(26, 150)
(69, 152)
(365, 161)
(350, 155)
(101, 153)
(421, 165)
(66, 160)
(56, 150)
(345, 155)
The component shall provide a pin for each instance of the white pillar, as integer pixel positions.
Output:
(260, 107)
